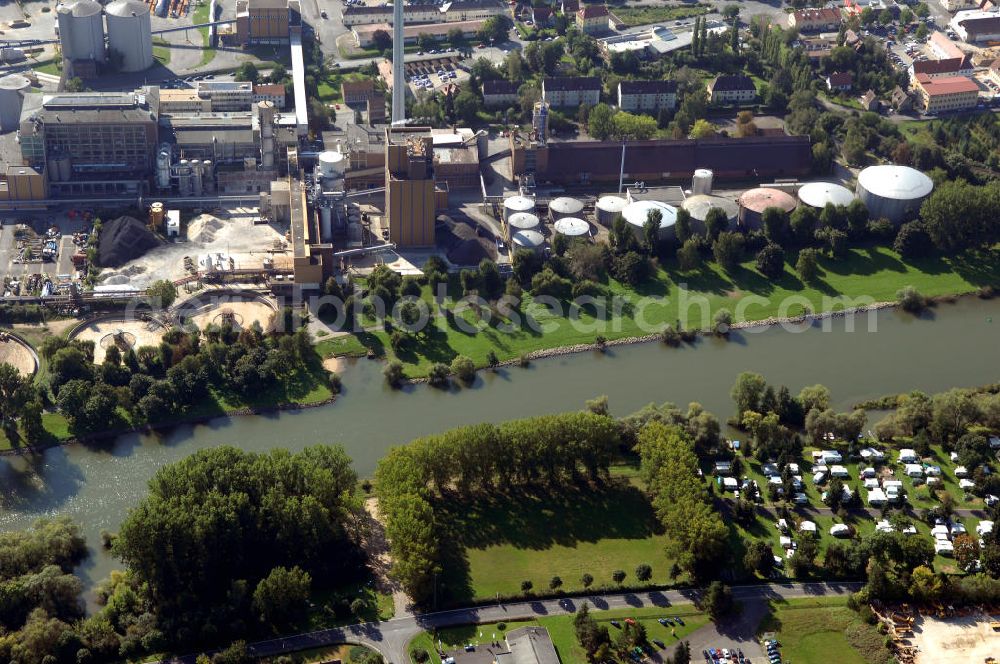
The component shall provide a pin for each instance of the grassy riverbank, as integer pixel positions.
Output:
(871, 274)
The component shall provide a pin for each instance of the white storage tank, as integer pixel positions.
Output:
(637, 212)
(565, 206)
(517, 204)
(572, 227)
(522, 221)
(12, 90)
(130, 34)
(163, 159)
(701, 183)
(331, 164)
(81, 30)
(893, 192)
(699, 205)
(818, 194)
(528, 240)
(607, 207)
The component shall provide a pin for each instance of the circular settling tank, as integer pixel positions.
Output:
(125, 333)
(18, 354)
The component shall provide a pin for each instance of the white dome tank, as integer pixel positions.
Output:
(893, 192)
(12, 90)
(522, 221)
(130, 34)
(637, 213)
(528, 240)
(607, 207)
(818, 194)
(701, 183)
(81, 30)
(331, 164)
(572, 227)
(565, 206)
(517, 204)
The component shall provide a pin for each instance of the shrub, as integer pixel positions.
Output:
(419, 655)
(807, 265)
(722, 322)
(909, 299)
(881, 229)
(670, 336)
(587, 580)
(728, 250)
(771, 261)
(393, 373)
(913, 241)
(438, 375)
(463, 368)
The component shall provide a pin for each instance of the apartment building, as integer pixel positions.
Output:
(731, 89)
(649, 96)
(563, 92)
(944, 94)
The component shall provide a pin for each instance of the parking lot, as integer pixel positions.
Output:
(13, 266)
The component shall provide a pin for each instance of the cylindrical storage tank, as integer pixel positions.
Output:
(607, 207)
(522, 221)
(326, 223)
(572, 227)
(156, 215)
(818, 194)
(196, 184)
(130, 34)
(893, 192)
(163, 159)
(12, 90)
(528, 240)
(517, 204)
(65, 167)
(331, 164)
(754, 201)
(701, 183)
(699, 206)
(81, 30)
(564, 206)
(637, 212)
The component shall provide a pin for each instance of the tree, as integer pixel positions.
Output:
(759, 558)
(716, 222)
(728, 250)
(631, 268)
(495, 28)
(807, 265)
(689, 255)
(771, 261)
(491, 360)
(717, 600)
(644, 572)
(281, 597)
(437, 376)
(618, 576)
(594, 639)
(393, 372)
(247, 72)
(464, 369)
(702, 129)
(600, 121)
(747, 393)
(966, 552)
(555, 583)
(162, 293)
(776, 226)
(14, 393)
(467, 106)
(586, 580)
(526, 586)
(75, 84)
(651, 230)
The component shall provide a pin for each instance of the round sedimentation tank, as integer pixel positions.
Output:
(12, 90)
(522, 221)
(893, 192)
(637, 212)
(565, 206)
(331, 164)
(517, 204)
(18, 354)
(81, 30)
(818, 194)
(572, 227)
(607, 207)
(130, 34)
(701, 183)
(528, 240)
(754, 201)
(699, 205)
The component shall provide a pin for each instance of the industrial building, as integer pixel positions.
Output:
(266, 21)
(893, 192)
(976, 25)
(81, 28)
(571, 91)
(13, 88)
(272, 92)
(410, 206)
(80, 25)
(364, 35)
(651, 96)
(210, 97)
(357, 92)
(449, 12)
(130, 38)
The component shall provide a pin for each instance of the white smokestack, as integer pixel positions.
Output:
(398, 75)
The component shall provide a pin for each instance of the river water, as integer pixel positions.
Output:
(885, 352)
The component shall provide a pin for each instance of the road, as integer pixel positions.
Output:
(391, 637)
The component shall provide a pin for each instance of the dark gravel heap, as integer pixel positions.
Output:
(124, 239)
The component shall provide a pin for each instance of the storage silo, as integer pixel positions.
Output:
(163, 159)
(893, 192)
(514, 204)
(522, 221)
(81, 30)
(818, 194)
(528, 240)
(564, 206)
(700, 205)
(701, 183)
(130, 34)
(607, 207)
(754, 201)
(331, 165)
(12, 90)
(637, 212)
(572, 227)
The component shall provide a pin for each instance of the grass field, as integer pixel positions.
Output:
(49, 67)
(633, 16)
(872, 274)
(561, 631)
(161, 51)
(817, 631)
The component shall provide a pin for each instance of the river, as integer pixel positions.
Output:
(954, 345)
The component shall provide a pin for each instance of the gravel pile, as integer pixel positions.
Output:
(124, 239)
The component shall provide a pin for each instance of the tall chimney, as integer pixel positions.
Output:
(398, 75)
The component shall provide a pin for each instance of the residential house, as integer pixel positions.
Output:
(357, 92)
(840, 81)
(826, 19)
(542, 17)
(901, 100)
(272, 92)
(569, 7)
(948, 93)
(571, 91)
(869, 101)
(647, 95)
(501, 93)
(731, 89)
(592, 19)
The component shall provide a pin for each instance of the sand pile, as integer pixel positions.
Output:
(124, 239)
(204, 228)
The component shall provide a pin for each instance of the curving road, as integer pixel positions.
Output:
(391, 637)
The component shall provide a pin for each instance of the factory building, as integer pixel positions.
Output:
(637, 96)
(22, 184)
(893, 192)
(947, 93)
(449, 12)
(410, 205)
(585, 162)
(266, 21)
(975, 25)
(364, 35)
(209, 97)
(92, 143)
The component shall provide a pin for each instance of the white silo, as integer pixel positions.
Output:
(894, 192)
(12, 90)
(564, 206)
(528, 240)
(163, 167)
(522, 221)
(701, 183)
(637, 213)
(514, 204)
(607, 207)
(331, 165)
(130, 34)
(818, 194)
(81, 30)
(572, 227)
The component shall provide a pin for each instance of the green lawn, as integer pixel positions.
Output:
(561, 631)
(871, 274)
(49, 67)
(161, 51)
(817, 631)
(328, 609)
(633, 16)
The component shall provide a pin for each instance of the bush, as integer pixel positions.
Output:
(909, 299)
(771, 261)
(438, 375)
(393, 372)
(807, 265)
(631, 268)
(913, 241)
(881, 229)
(464, 369)
(722, 322)
(419, 655)
(670, 336)
(728, 250)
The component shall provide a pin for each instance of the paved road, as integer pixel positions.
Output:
(392, 636)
